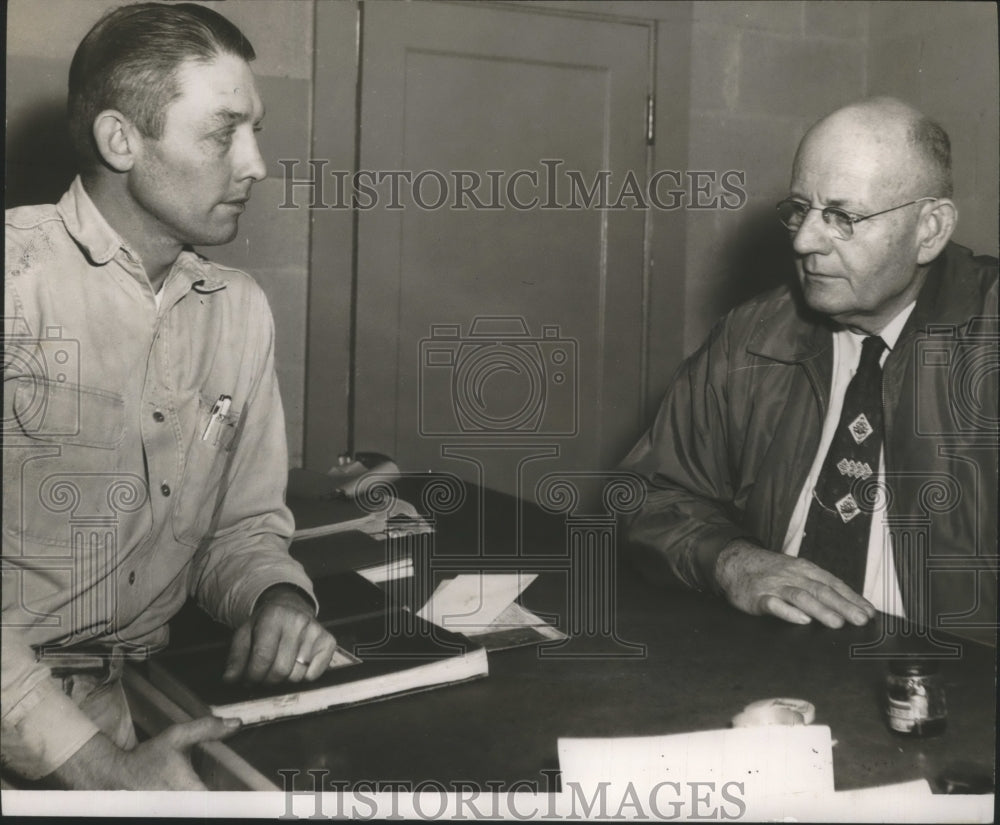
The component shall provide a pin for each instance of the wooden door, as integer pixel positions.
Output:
(498, 330)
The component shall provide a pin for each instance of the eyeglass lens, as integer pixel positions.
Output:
(793, 213)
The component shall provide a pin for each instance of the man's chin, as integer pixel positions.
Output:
(825, 296)
(217, 236)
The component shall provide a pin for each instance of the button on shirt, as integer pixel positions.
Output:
(881, 586)
(119, 499)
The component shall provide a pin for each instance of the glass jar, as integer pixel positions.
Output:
(915, 699)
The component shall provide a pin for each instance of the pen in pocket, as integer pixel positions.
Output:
(220, 409)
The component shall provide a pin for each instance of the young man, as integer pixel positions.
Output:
(778, 481)
(144, 441)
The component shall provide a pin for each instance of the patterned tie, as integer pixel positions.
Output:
(837, 528)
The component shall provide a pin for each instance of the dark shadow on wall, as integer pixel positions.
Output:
(750, 255)
(758, 257)
(40, 161)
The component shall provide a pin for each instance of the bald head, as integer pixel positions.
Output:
(906, 152)
(869, 185)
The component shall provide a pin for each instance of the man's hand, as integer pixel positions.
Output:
(281, 641)
(760, 581)
(158, 764)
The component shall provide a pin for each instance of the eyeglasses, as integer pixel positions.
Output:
(792, 213)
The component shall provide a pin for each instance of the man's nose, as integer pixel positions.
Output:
(250, 163)
(813, 236)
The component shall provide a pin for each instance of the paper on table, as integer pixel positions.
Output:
(770, 761)
(388, 571)
(473, 600)
(512, 617)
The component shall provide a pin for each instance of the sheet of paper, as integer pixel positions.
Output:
(388, 571)
(342, 658)
(473, 600)
(512, 616)
(772, 761)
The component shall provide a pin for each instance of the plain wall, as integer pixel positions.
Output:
(763, 72)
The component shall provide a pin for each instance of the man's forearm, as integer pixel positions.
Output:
(680, 538)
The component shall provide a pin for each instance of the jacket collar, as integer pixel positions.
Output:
(796, 334)
(949, 297)
(100, 243)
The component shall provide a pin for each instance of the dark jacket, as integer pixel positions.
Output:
(739, 428)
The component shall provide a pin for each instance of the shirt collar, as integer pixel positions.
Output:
(88, 227)
(890, 332)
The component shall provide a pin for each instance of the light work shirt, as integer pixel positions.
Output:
(123, 495)
(881, 586)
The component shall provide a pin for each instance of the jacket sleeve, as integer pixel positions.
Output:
(684, 460)
(247, 549)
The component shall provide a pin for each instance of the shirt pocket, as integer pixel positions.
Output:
(60, 457)
(203, 483)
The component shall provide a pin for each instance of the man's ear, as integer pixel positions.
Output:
(116, 139)
(936, 225)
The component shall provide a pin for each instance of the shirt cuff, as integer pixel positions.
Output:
(255, 585)
(43, 730)
(305, 594)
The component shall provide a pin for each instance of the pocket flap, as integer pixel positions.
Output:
(69, 413)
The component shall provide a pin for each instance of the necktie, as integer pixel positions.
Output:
(838, 524)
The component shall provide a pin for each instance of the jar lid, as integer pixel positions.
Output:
(914, 667)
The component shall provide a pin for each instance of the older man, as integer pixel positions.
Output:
(830, 450)
(144, 455)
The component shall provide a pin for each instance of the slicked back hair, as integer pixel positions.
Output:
(129, 62)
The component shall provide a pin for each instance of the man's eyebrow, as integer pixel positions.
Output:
(228, 117)
(840, 203)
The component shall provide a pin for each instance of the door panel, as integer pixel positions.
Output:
(485, 329)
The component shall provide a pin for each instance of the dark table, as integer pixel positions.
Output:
(648, 661)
